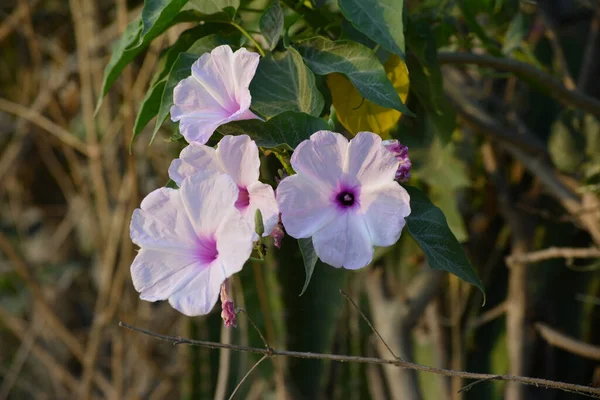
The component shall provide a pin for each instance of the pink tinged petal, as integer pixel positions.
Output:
(262, 197)
(384, 210)
(305, 208)
(345, 242)
(197, 129)
(240, 159)
(158, 274)
(234, 243)
(201, 293)
(208, 200)
(321, 159)
(214, 72)
(369, 161)
(190, 99)
(162, 223)
(193, 159)
(244, 67)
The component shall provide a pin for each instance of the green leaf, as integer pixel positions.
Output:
(287, 129)
(443, 169)
(309, 256)
(427, 225)
(151, 103)
(469, 14)
(515, 34)
(209, 7)
(181, 69)
(426, 78)
(149, 108)
(358, 63)
(284, 83)
(566, 143)
(157, 16)
(271, 24)
(380, 20)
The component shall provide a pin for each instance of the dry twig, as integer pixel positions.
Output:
(538, 382)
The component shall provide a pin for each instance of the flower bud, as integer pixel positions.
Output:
(227, 308)
(278, 233)
(401, 153)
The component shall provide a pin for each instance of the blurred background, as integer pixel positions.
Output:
(519, 185)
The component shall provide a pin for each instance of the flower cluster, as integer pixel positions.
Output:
(194, 238)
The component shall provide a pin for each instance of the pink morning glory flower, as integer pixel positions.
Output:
(344, 196)
(216, 93)
(190, 241)
(238, 157)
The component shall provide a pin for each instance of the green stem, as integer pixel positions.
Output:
(249, 36)
(285, 163)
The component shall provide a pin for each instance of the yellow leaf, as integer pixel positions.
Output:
(358, 114)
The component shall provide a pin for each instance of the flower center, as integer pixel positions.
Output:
(206, 250)
(243, 199)
(345, 199)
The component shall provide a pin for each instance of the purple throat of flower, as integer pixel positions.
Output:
(243, 199)
(206, 250)
(347, 198)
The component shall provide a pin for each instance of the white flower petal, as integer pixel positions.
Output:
(162, 222)
(193, 159)
(345, 242)
(157, 274)
(262, 197)
(369, 161)
(214, 71)
(200, 294)
(234, 243)
(198, 129)
(208, 199)
(321, 158)
(244, 67)
(240, 159)
(216, 93)
(191, 99)
(305, 207)
(385, 209)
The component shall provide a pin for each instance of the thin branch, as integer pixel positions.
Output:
(370, 324)
(565, 342)
(590, 57)
(263, 358)
(552, 36)
(545, 383)
(554, 252)
(554, 87)
(255, 328)
(488, 316)
(37, 119)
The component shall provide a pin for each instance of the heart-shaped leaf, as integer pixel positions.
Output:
(428, 226)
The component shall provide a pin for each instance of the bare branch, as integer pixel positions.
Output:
(370, 324)
(554, 252)
(555, 88)
(544, 383)
(37, 119)
(263, 358)
(565, 342)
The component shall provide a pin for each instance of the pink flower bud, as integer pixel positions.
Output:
(278, 233)
(227, 308)
(401, 153)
